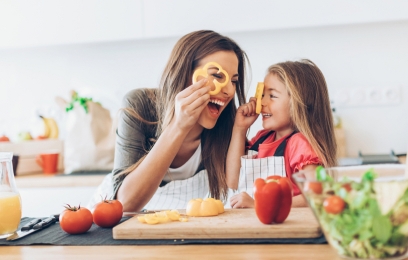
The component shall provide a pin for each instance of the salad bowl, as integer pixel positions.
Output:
(362, 210)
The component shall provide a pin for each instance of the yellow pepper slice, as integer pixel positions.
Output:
(159, 217)
(204, 73)
(141, 219)
(258, 95)
(183, 219)
(173, 215)
(151, 219)
(162, 217)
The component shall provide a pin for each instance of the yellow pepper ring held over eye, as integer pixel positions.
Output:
(204, 73)
(204, 208)
(258, 95)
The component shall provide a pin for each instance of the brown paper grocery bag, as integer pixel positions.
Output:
(90, 139)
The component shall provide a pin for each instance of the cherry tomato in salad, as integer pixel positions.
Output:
(314, 186)
(347, 186)
(107, 213)
(334, 204)
(75, 220)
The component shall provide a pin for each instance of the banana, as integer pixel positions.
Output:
(50, 127)
(47, 129)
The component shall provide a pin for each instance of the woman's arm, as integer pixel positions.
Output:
(244, 118)
(140, 185)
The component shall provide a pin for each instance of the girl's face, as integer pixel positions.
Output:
(275, 106)
(229, 62)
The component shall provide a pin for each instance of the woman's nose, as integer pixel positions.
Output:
(229, 89)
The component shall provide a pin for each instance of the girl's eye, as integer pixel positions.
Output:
(272, 96)
(235, 82)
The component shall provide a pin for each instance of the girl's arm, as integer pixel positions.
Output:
(244, 118)
(236, 149)
(140, 185)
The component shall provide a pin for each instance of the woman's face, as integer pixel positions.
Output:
(229, 62)
(276, 105)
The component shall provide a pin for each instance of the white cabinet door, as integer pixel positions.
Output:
(50, 22)
(163, 18)
(43, 202)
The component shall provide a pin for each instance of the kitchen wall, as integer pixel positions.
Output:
(352, 55)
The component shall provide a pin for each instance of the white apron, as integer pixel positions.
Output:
(174, 195)
(253, 168)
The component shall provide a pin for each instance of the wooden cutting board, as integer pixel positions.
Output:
(233, 223)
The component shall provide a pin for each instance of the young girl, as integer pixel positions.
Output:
(171, 141)
(298, 131)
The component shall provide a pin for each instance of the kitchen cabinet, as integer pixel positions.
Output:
(175, 18)
(47, 22)
(45, 194)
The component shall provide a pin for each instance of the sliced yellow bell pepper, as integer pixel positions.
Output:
(258, 95)
(204, 208)
(160, 217)
(204, 73)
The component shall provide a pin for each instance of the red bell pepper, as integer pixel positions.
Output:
(273, 199)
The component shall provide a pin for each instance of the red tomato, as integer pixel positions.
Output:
(334, 204)
(107, 213)
(314, 186)
(75, 220)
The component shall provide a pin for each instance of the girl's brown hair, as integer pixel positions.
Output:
(177, 75)
(310, 108)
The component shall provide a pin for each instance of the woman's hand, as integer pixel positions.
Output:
(241, 200)
(246, 115)
(190, 103)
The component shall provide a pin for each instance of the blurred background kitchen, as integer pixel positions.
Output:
(102, 49)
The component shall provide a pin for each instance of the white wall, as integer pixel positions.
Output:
(350, 56)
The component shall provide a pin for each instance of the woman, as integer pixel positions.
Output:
(172, 141)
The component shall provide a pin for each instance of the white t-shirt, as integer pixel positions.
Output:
(185, 171)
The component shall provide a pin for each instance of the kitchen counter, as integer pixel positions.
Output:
(305, 252)
(244, 251)
(50, 180)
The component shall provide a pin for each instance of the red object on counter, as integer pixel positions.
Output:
(273, 199)
(48, 162)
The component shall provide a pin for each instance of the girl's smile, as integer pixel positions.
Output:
(276, 106)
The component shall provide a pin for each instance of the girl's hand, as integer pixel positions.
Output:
(190, 103)
(241, 200)
(246, 115)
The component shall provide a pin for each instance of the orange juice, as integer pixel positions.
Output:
(10, 212)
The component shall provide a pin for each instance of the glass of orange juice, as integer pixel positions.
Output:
(10, 201)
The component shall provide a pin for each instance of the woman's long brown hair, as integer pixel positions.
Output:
(310, 108)
(177, 75)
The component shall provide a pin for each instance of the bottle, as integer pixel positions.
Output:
(10, 201)
(336, 119)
